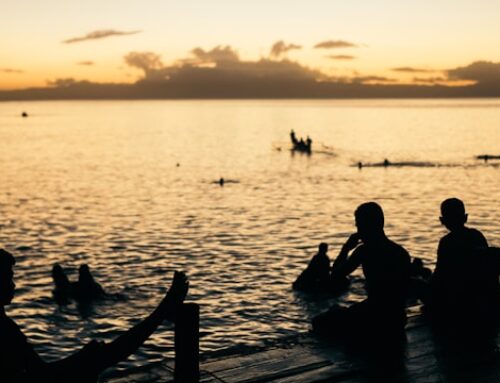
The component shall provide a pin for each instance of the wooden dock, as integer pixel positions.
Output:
(309, 360)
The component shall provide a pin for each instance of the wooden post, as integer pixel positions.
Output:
(187, 344)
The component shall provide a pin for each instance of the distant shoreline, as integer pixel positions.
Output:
(247, 90)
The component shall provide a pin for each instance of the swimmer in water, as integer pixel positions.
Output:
(86, 289)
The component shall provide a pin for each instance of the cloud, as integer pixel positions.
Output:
(62, 82)
(371, 79)
(279, 48)
(430, 80)
(100, 34)
(409, 69)
(11, 70)
(482, 72)
(332, 44)
(341, 57)
(85, 63)
(219, 54)
(150, 63)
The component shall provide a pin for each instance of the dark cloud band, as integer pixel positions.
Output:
(100, 34)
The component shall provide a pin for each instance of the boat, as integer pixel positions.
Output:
(301, 145)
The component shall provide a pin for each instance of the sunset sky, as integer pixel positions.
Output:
(42, 41)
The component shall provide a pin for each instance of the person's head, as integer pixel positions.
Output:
(369, 220)
(59, 277)
(323, 248)
(84, 274)
(7, 285)
(453, 214)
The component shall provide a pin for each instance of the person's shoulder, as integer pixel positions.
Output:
(478, 236)
(474, 232)
(445, 241)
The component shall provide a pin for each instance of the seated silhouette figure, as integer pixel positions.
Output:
(464, 286)
(86, 289)
(19, 362)
(386, 267)
(317, 273)
(316, 277)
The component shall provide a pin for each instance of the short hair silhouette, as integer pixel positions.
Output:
(452, 207)
(453, 213)
(370, 214)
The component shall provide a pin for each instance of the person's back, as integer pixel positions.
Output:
(386, 267)
(460, 260)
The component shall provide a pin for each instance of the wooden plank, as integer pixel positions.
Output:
(313, 361)
(274, 368)
(330, 373)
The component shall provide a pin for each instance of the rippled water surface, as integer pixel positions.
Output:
(98, 183)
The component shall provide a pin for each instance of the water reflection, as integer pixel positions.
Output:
(97, 183)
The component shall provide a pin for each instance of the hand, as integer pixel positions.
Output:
(353, 241)
(175, 295)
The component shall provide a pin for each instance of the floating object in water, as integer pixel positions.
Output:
(486, 157)
(24, 114)
(222, 181)
(386, 163)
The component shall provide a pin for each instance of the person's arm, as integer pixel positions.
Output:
(343, 264)
(129, 342)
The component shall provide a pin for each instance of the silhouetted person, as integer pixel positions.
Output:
(63, 290)
(221, 181)
(293, 137)
(24, 114)
(386, 267)
(308, 143)
(20, 363)
(386, 163)
(465, 279)
(360, 165)
(420, 277)
(87, 289)
(419, 271)
(316, 276)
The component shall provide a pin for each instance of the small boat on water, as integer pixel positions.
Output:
(486, 157)
(301, 145)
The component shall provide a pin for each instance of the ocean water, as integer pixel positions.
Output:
(130, 187)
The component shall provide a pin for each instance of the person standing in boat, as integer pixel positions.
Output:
(308, 143)
(293, 137)
(386, 267)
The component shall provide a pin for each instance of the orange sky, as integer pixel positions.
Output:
(425, 35)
